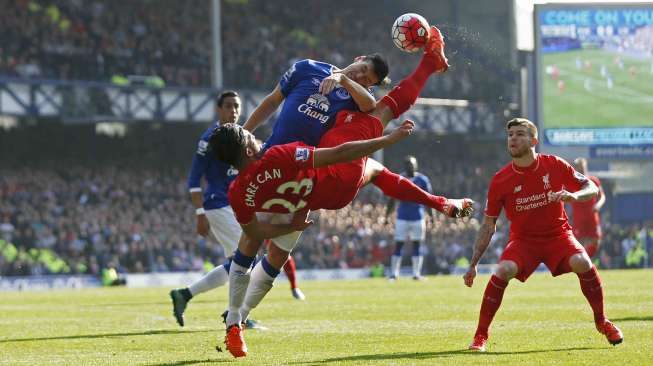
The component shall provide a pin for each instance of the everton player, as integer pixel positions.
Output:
(532, 189)
(410, 223)
(295, 178)
(586, 219)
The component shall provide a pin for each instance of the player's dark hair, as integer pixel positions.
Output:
(381, 68)
(227, 143)
(224, 95)
(532, 129)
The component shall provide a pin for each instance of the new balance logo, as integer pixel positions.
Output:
(517, 189)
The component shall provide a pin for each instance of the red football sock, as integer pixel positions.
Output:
(404, 95)
(591, 249)
(491, 302)
(290, 270)
(590, 284)
(398, 187)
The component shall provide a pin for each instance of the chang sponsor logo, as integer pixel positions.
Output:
(316, 106)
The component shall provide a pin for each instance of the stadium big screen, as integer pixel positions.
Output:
(595, 74)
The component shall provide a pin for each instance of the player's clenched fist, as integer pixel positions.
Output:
(469, 276)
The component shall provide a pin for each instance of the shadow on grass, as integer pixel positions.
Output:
(190, 362)
(633, 319)
(427, 355)
(168, 302)
(105, 335)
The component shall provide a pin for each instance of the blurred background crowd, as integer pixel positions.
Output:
(171, 41)
(131, 210)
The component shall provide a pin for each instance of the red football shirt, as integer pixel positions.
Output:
(586, 221)
(284, 181)
(524, 194)
(278, 182)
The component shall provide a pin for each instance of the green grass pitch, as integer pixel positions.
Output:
(628, 103)
(367, 322)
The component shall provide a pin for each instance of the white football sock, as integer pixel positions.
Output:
(260, 284)
(217, 277)
(417, 260)
(238, 282)
(395, 265)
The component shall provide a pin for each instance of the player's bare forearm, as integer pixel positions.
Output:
(485, 233)
(197, 199)
(587, 192)
(269, 104)
(364, 100)
(601, 201)
(353, 150)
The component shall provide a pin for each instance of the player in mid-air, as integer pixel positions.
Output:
(532, 189)
(586, 220)
(215, 218)
(276, 188)
(410, 223)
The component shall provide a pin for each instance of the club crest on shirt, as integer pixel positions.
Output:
(517, 189)
(232, 171)
(349, 117)
(545, 180)
(316, 81)
(342, 93)
(301, 154)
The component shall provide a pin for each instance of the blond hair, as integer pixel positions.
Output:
(532, 129)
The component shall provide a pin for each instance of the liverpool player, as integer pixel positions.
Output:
(586, 220)
(295, 178)
(532, 189)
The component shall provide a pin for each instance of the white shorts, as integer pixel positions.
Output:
(224, 228)
(410, 230)
(285, 242)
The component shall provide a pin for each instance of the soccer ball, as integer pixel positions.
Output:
(410, 32)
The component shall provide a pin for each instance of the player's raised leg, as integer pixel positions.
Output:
(592, 288)
(400, 188)
(404, 95)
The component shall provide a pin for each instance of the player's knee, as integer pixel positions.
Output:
(277, 257)
(580, 263)
(506, 270)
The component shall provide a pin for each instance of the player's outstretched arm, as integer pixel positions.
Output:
(268, 105)
(485, 233)
(257, 230)
(353, 150)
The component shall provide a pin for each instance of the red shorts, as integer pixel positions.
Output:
(588, 231)
(554, 253)
(339, 183)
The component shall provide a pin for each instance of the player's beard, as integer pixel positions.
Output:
(520, 152)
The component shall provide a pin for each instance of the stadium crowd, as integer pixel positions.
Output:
(111, 40)
(81, 220)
